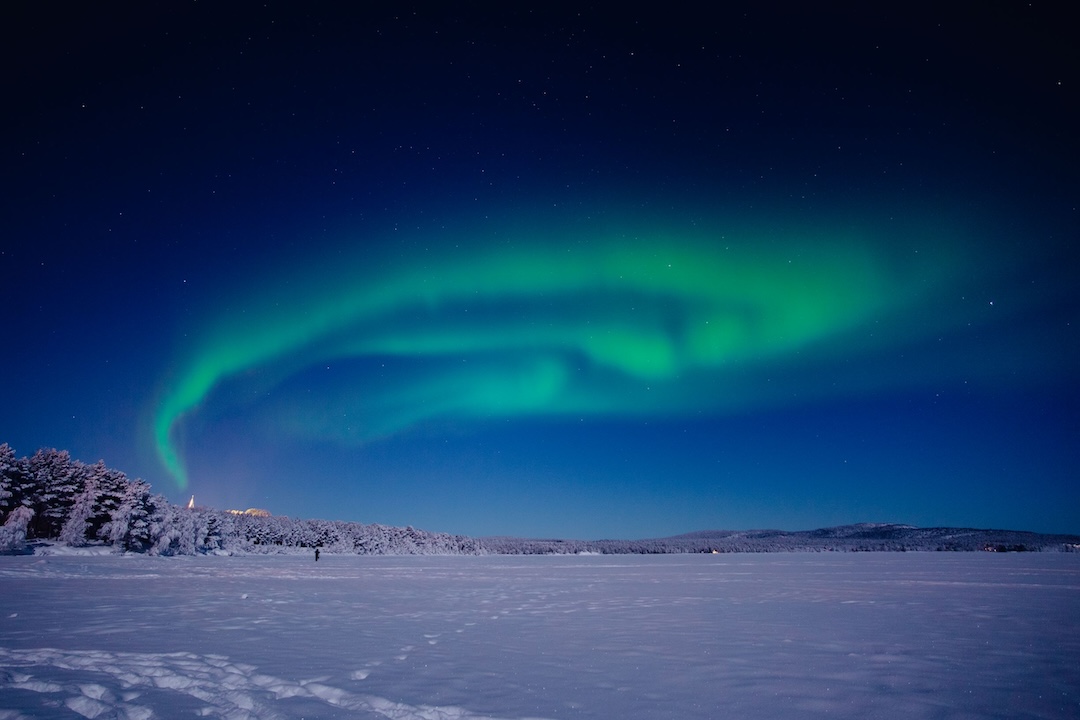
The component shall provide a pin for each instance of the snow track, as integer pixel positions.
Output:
(221, 688)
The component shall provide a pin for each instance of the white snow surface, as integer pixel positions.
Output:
(837, 635)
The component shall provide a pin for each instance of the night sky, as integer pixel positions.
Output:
(550, 272)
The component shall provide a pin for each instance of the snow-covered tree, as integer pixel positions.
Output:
(128, 527)
(16, 479)
(57, 481)
(172, 528)
(73, 532)
(8, 469)
(212, 530)
(13, 531)
(109, 489)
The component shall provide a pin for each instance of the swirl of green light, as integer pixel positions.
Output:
(548, 328)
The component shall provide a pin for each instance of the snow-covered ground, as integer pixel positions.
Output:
(860, 635)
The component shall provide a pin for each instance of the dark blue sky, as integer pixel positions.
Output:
(550, 272)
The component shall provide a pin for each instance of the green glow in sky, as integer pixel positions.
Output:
(622, 324)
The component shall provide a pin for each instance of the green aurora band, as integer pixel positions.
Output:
(612, 326)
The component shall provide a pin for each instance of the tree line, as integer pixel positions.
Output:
(51, 497)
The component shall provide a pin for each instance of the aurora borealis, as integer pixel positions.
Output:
(570, 327)
(551, 273)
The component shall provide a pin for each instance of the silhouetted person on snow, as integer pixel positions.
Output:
(316, 554)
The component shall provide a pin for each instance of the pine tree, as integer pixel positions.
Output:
(209, 530)
(110, 488)
(8, 468)
(172, 529)
(128, 527)
(57, 481)
(74, 530)
(13, 531)
(20, 482)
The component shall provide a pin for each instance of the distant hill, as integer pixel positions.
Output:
(862, 537)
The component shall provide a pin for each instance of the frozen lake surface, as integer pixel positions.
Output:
(859, 635)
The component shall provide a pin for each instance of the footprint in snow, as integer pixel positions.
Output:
(100, 684)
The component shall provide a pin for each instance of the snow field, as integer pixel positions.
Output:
(875, 635)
